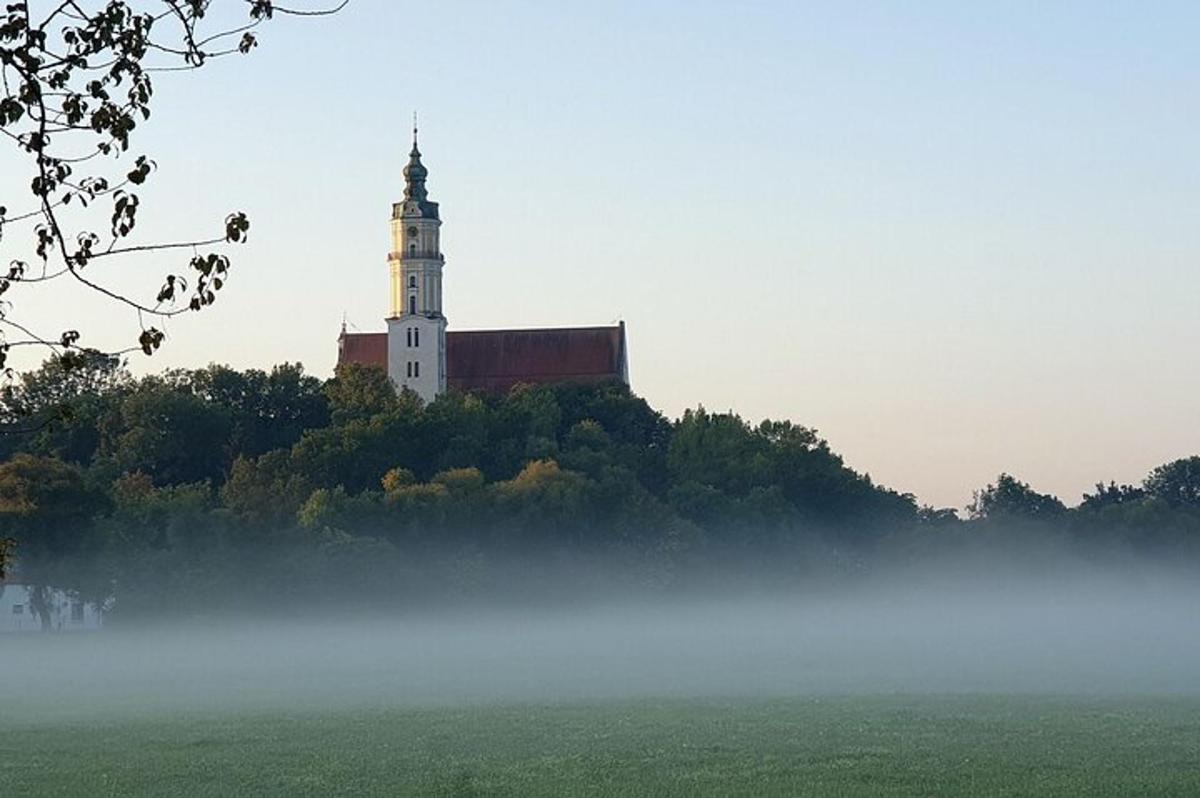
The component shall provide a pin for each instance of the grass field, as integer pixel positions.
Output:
(843, 746)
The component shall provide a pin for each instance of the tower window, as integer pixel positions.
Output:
(412, 281)
(412, 304)
(412, 249)
(416, 336)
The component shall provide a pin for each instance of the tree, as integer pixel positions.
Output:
(168, 433)
(1111, 495)
(716, 449)
(6, 546)
(265, 493)
(1177, 483)
(358, 391)
(268, 410)
(546, 503)
(48, 510)
(1011, 499)
(932, 516)
(57, 410)
(78, 79)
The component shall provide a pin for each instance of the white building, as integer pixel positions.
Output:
(67, 614)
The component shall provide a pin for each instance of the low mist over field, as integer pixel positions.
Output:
(1078, 633)
(268, 541)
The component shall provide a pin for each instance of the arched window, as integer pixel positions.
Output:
(408, 334)
(412, 281)
(412, 304)
(416, 368)
(408, 368)
(412, 249)
(416, 336)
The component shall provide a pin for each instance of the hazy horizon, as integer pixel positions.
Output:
(1079, 633)
(954, 240)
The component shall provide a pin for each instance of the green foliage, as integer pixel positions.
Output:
(48, 511)
(1012, 500)
(62, 404)
(265, 493)
(268, 410)
(360, 392)
(45, 504)
(243, 484)
(1177, 483)
(168, 433)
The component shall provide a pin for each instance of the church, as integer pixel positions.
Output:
(419, 352)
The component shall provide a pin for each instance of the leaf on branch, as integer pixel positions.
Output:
(262, 9)
(209, 267)
(87, 242)
(45, 241)
(236, 227)
(150, 339)
(141, 170)
(11, 110)
(85, 73)
(124, 213)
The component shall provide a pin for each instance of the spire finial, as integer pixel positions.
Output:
(414, 129)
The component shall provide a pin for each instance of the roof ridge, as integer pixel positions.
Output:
(539, 329)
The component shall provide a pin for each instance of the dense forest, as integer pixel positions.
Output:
(212, 490)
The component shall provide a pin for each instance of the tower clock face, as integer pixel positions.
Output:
(412, 232)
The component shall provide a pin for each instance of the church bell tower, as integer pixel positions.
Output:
(416, 327)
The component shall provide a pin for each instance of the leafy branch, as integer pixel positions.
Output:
(77, 83)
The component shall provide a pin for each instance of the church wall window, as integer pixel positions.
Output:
(416, 368)
(416, 336)
(408, 369)
(408, 331)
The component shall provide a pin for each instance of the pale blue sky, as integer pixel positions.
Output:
(954, 239)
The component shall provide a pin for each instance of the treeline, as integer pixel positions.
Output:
(215, 489)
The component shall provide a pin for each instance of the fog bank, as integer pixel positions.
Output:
(1075, 636)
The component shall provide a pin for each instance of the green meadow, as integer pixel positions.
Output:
(828, 746)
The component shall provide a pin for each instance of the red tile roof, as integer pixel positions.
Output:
(367, 348)
(496, 360)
